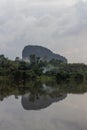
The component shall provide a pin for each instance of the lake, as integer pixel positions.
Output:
(43, 106)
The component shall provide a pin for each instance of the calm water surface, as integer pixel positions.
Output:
(44, 108)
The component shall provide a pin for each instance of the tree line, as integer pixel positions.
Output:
(21, 71)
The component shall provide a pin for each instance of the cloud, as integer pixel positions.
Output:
(60, 28)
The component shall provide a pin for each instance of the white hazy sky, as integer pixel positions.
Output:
(60, 25)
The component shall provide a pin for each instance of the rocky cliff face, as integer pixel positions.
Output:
(42, 52)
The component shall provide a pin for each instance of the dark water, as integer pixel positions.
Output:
(39, 106)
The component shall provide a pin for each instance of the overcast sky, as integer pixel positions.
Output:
(60, 25)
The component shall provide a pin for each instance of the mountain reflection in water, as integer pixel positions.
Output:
(42, 97)
(36, 96)
(40, 102)
(43, 106)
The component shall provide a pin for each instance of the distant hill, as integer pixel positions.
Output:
(42, 52)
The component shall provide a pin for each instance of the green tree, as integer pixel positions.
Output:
(33, 59)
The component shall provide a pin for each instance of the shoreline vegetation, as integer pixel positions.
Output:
(41, 78)
(37, 70)
(41, 70)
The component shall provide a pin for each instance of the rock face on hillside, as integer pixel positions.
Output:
(42, 52)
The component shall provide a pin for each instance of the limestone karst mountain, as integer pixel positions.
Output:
(42, 52)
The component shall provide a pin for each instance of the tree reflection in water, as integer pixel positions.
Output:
(35, 95)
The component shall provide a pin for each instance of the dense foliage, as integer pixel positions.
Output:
(21, 71)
